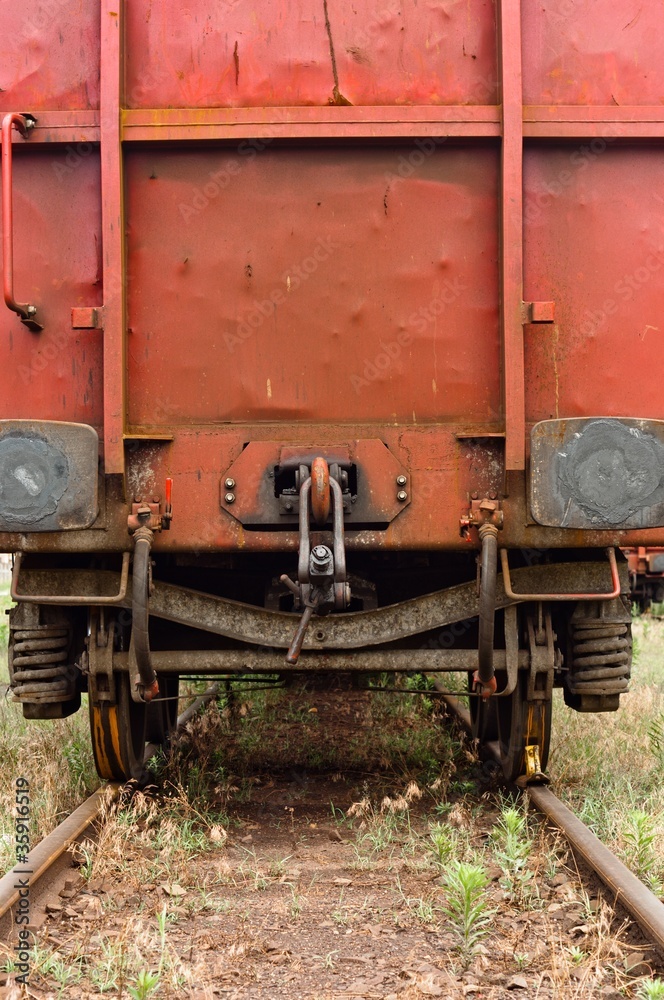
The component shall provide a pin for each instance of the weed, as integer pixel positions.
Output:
(467, 909)
(422, 909)
(104, 974)
(337, 814)
(512, 848)
(651, 989)
(639, 837)
(277, 866)
(656, 738)
(51, 964)
(444, 843)
(145, 985)
(340, 917)
(295, 904)
(576, 954)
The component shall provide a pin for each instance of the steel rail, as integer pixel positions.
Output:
(44, 855)
(628, 890)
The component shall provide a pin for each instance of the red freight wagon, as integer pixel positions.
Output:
(344, 297)
(646, 576)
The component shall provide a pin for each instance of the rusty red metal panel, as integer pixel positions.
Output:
(594, 244)
(589, 52)
(344, 289)
(113, 237)
(55, 374)
(369, 53)
(49, 55)
(328, 284)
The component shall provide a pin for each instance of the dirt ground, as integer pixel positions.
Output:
(286, 874)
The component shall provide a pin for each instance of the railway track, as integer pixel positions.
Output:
(49, 861)
(646, 909)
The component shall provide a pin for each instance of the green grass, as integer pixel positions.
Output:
(608, 767)
(5, 605)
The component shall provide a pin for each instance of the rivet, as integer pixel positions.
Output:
(492, 496)
(401, 480)
(288, 506)
(402, 495)
(229, 498)
(474, 496)
(229, 484)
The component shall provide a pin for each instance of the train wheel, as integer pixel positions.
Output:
(119, 735)
(162, 714)
(521, 722)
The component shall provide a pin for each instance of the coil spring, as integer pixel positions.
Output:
(39, 671)
(601, 658)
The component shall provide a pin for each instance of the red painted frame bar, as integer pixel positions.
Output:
(511, 234)
(65, 126)
(621, 124)
(294, 122)
(113, 241)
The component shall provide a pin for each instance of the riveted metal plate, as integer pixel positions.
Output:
(374, 501)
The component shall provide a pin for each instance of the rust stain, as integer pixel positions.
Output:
(236, 60)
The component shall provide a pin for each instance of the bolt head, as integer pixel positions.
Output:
(402, 495)
(229, 484)
(320, 551)
(401, 480)
(229, 498)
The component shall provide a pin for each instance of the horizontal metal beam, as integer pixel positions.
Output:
(454, 121)
(261, 661)
(315, 123)
(248, 623)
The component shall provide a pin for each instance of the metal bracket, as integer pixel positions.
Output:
(322, 584)
(613, 593)
(87, 317)
(542, 657)
(486, 511)
(101, 683)
(511, 652)
(149, 514)
(538, 312)
(68, 599)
